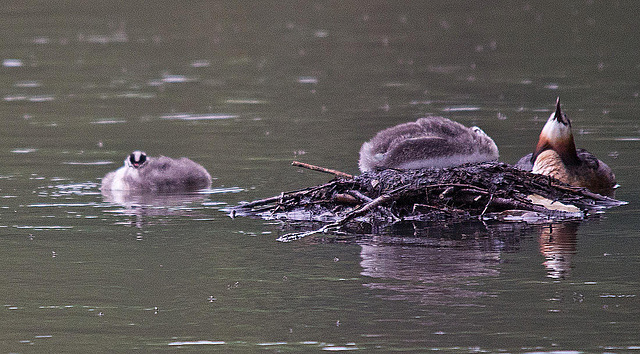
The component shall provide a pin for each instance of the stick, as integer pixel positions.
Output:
(461, 185)
(283, 195)
(486, 206)
(321, 169)
(359, 195)
(587, 193)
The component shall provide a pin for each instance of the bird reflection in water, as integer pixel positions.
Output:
(427, 275)
(444, 268)
(558, 245)
(153, 208)
(440, 270)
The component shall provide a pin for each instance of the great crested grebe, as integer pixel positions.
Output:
(556, 156)
(429, 142)
(156, 174)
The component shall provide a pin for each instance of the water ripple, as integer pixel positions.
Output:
(190, 116)
(40, 205)
(222, 190)
(171, 79)
(197, 342)
(28, 83)
(12, 63)
(109, 121)
(461, 109)
(245, 101)
(23, 150)
(88, 163)
(43, 227)
(308, 80)
(200, 63)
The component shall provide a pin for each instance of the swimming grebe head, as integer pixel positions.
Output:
(137, 159)
(556, 135)
(479, 132)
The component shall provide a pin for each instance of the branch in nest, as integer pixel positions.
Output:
(283, 196)
(321, 169)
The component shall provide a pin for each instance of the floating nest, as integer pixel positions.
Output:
(374, 200)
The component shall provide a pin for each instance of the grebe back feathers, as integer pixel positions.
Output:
(429, 142)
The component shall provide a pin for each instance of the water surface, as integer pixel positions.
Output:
(244, 89)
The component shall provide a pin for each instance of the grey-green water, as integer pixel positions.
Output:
(244, 88)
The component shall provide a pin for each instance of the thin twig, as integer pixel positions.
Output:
(284, 195)
(359, 195)
(461, 185)
(321, 169)
(432, 207)
(486, 206)
(585, 192)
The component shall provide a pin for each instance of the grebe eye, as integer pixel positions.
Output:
(478, 131)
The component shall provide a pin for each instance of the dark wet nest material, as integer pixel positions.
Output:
(486, 191)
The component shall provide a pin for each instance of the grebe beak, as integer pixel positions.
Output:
(558, 116)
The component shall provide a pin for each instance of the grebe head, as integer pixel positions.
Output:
(479, 132)
(137, 159)
(556, 135)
